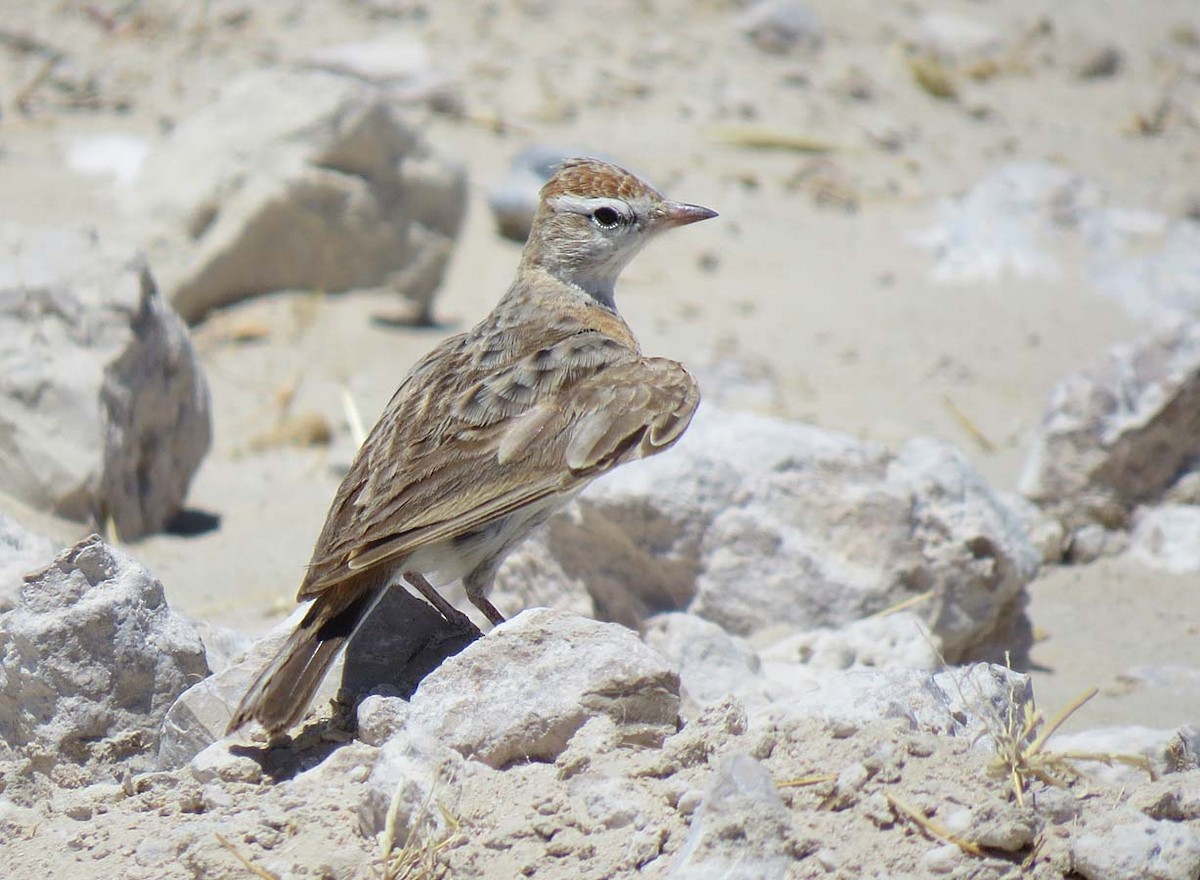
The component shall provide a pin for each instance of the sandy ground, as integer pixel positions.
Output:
(837, 304)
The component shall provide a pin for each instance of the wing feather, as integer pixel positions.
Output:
(453, 454)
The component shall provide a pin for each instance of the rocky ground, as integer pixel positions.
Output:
(945, 330)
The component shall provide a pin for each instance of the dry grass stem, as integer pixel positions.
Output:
(1021, 755)
(933, 77)
(933, 829)
(353, 417)
(761, 137)
(965, 422)
(421, 856)
(254, 869)
(903, 605)
(805, 781)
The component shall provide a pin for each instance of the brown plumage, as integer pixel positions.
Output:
(493, 430)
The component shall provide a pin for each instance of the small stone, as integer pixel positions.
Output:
(781, 26)
(414, 777)
(1091, 542)
(1118, 435)
(1099, 62)
(959, 40)
(215, 796)
(1167, 538)
(690, 801)
(1126, 845)
(380, 718)
(217, 762)
(743, 830)
(473, 703)
(943, 859)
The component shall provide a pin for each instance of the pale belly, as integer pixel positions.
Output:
(448, 561)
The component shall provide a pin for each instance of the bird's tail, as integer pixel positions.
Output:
(279, 695)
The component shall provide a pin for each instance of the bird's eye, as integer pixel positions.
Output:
(606, 217)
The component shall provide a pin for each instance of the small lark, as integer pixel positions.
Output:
(494, 430)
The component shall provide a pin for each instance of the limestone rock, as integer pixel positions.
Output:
(969, 701)
(21, 551)
(895, 640)
(959, 40)
(525, 689)
(1167, 537)
(782, 26)
(419, 778)
(742, 831)
(327, 188)
(91, 659)
(103, 403)
(1119, 433)
(396, 61)
(769, 527)
(712, 664)
(1162, 750)
(1127, 845)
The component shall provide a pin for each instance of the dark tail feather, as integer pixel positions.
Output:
(279, 696)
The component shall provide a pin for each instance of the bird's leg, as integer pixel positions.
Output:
(477, 584)
(453, 615)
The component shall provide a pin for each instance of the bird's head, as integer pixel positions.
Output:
(593, 218)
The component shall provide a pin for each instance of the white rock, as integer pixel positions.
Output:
(1126, 845)
(895, 640)
(532, 577)
(1175, 797)
(218, 762)
(958, 39)
(801, 528)
(776, 527)
(118, 155)
(1119, 433)
(742, 830)
(1156, 747)
(102, 399)
(21, 551)
(942, 859)
(380, 718)
(781, 26)
(1005, 223)
(712, 664)
(91, 659)
(971, 701)
(522, 692)
(1167, 537)
(222, 644)
(416, 778)
(1092, 541)
(1047, 534)
(317, 193)
(613, 802)
(1147, 262)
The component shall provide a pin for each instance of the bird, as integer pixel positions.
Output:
(493, 431)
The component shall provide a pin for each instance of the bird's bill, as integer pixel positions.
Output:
(680, 214)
